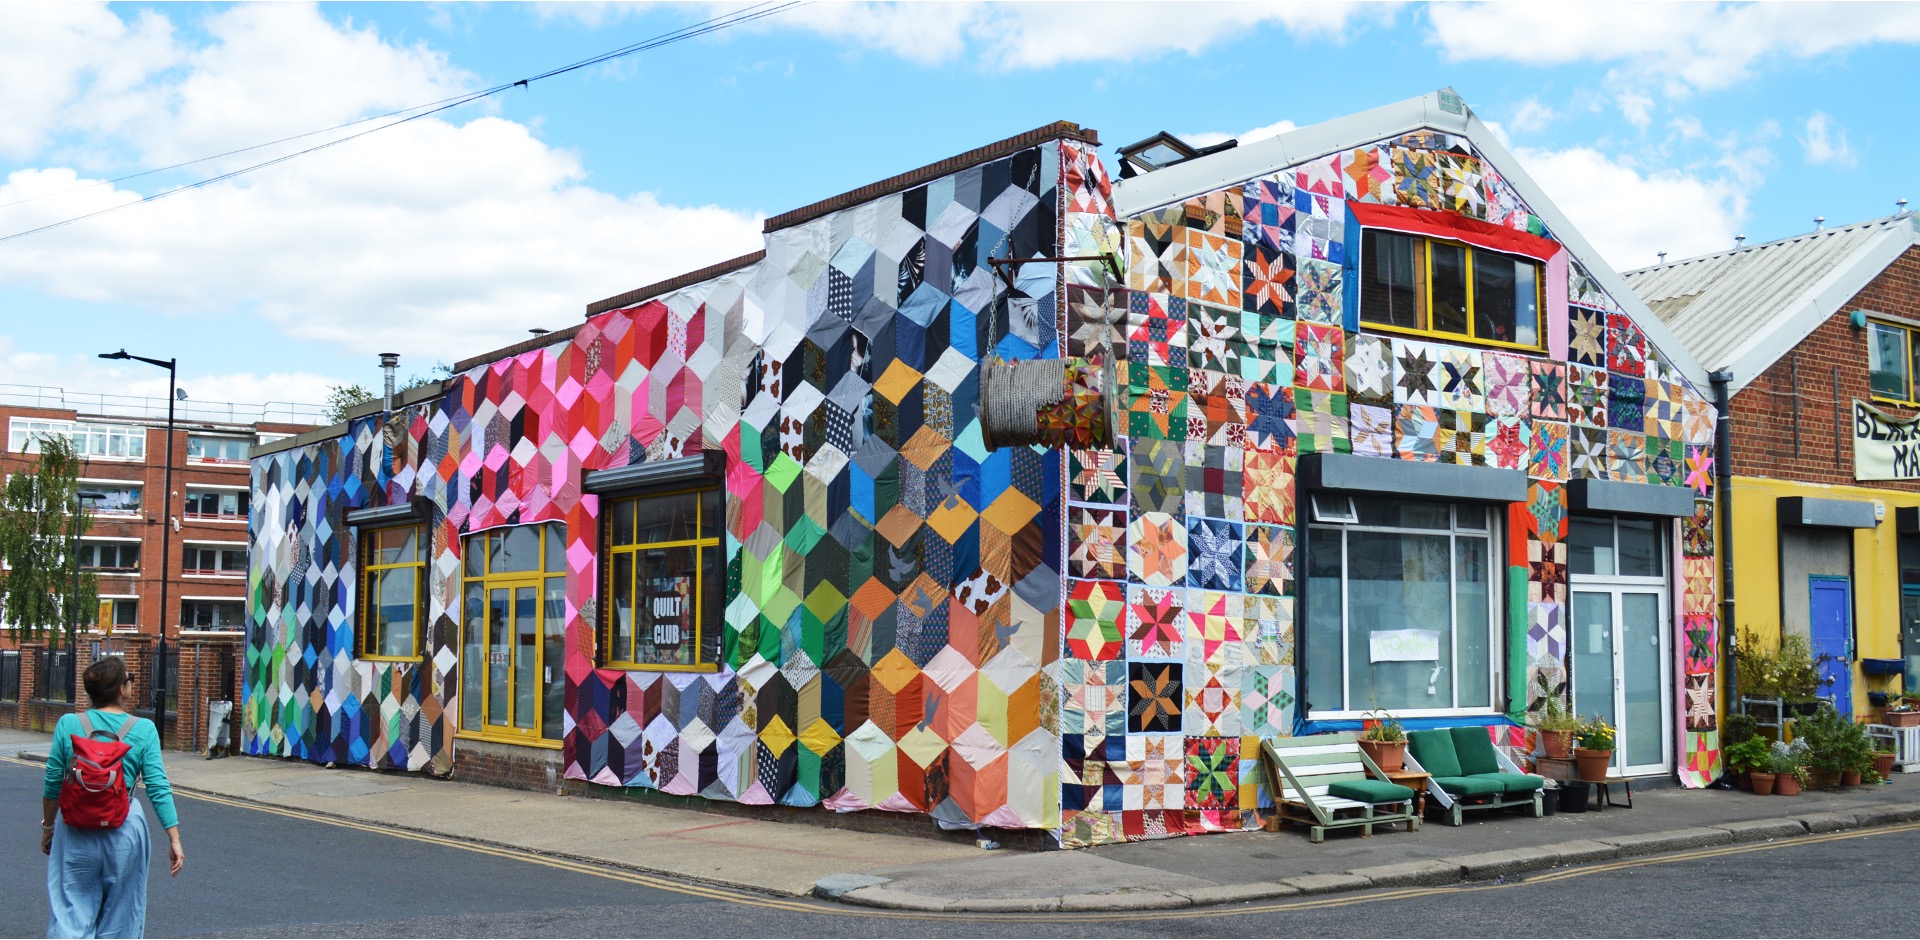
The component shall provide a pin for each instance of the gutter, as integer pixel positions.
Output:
(1723, 482)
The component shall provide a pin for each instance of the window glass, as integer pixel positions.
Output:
(1639, 544)
(115, 500)
(1470, 517)
(515, 549)
(1448, 290)
(212, 615)
(1402, 513)
(204, 447)
(1325, 614)
(1402, 620)
(663, 603)
(1390, 290)
(1494, 316)
(553, 655)
(1887, 360)
(1473, 604)
(393, 601)
(556, 537)
(1400, 631)
(1590, 544)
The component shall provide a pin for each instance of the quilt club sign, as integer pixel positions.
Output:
(1884, 447)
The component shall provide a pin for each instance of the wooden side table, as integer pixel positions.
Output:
(1418, 781)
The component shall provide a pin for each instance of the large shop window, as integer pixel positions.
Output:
(393, 563)
(513, 633)
(1891, 363)
(1400, 607)
(1450, 291)
(663, 590)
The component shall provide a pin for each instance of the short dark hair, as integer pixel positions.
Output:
(105, 680)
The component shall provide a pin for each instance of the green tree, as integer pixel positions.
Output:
(41, 521)
(344, 398)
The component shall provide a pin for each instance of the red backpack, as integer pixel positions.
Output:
(95, 795)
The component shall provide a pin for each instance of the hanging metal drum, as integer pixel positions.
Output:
(1050, 402)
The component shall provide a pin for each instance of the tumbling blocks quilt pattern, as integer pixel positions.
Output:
(894, 597)
(1089, 640)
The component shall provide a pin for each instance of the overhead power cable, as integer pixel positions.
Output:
(744, 15)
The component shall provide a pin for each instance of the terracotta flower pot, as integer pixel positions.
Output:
(1786, 785)
(1883, 764)
(1762, 783)
(1592, 765)
(1850, 778)
(1558, 744)
(1390, 756)
(1906, 719)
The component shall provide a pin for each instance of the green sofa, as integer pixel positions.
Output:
(1470, 773)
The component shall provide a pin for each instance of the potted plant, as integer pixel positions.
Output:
(1836, 749)
(1384, 740)
(1750, 758)
(1883, 764)
(1594, 751)
(1789, 775)
(1901, 711)
(1557, 726)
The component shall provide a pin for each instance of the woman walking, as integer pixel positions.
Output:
(97, 875)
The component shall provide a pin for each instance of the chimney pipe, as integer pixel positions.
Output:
(1819, 223)
(388, 362)
(1663, 257)
(1739, 240)
(1900, 205)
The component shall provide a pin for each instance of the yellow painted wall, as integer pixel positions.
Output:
(1876, 571)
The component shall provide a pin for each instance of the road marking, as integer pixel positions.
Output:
(830, 909)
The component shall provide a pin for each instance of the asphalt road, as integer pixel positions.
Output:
(252, 872)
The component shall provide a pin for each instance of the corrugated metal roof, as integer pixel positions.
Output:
(1727, 305)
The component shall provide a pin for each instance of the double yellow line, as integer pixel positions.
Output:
(824, 909)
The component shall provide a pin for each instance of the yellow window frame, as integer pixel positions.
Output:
(1906, 363)
(370, 572)
(706, 551)
(1425, 298)
(489, 581)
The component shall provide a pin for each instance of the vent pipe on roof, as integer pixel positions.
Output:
(1663, 257)
(1819, 223)
(1899, 205)
(388, 363)
(1739, 240)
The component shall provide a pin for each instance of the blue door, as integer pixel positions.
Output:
(1832, 635)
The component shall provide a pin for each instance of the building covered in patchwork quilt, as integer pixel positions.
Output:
(1348, 420)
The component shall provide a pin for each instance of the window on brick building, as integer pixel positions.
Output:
(212, 615)
(213, 560)
(217, 504)
(1891, 352)
(110, 556)
(663, 581)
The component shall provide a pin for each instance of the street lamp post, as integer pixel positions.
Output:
(159, 672)
(73, 632)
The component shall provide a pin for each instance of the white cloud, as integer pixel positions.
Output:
(1683, 45)
(1676, 212)
(61, 62)
(1038, 35)
(436, 239)
(1531, 115)
(1209, 138)
(1826, 141)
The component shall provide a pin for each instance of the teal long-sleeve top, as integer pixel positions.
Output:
(141, 763)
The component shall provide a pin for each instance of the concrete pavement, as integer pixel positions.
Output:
(904, 872)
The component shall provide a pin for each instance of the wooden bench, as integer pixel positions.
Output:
(1326, 781)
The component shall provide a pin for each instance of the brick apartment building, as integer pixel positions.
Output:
(1819, 338)
(123, 442)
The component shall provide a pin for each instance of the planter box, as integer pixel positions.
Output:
(1904, 742)
(1900, 719)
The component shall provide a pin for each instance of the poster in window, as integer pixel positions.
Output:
(667, 604)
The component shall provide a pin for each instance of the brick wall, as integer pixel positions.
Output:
(201, 675)
(505, 765)
(1764, 411)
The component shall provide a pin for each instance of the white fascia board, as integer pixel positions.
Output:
(1184, 181)
(1794, 324)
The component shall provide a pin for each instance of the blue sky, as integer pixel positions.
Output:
(1655, 127)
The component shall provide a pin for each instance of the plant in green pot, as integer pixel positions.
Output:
(1384, 740)
(1593, 752)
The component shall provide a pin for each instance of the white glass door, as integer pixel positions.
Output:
(1620, 650)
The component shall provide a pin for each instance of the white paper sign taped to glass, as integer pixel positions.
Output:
(1885, 447)
(667, 615)
(1404, 646)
